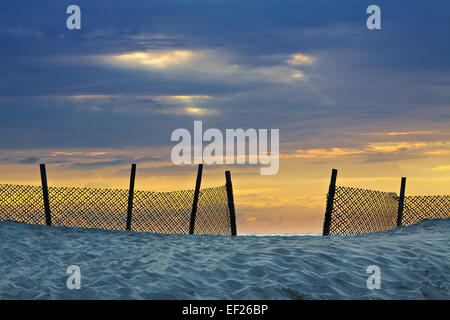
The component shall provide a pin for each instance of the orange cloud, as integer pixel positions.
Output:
(429, 148)
(391, 147)
(399, 133)
(324, 153)
(441, 168)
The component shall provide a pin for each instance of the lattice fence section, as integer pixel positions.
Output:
(362, 211)
(22, 204)
(212, 212)
(162, 212)
(159, 212)
(418, 208)
(89, 207)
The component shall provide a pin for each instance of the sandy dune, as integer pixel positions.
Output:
(414, 264)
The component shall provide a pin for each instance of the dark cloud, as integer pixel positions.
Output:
(398, 75)
(114, 162)
(29, 160)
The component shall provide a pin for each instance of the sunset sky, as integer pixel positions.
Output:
(375, 104)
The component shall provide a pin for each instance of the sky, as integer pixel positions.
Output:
(375, 104)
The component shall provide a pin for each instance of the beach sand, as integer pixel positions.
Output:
(414, 264)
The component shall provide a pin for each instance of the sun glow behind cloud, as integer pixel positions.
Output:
(154, 59)
(209, 62)
(300, 59)
(192, 105)
(190, 111)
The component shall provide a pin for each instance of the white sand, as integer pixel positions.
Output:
(414, 264)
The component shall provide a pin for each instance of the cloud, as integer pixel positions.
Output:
(208, 62)
(154, 59)
(324, 153)
(400, 133)
(191, 111)
(87, 158)
(426, 147)
(29, 160)
(86, 97)
(300, 59)
(65, 153)
(89, 164)
(185, 98)
(191, 105)
(101, 164)
(177, 60)
(281, 74)
(20, 31)
(441, 168)
(377, 149)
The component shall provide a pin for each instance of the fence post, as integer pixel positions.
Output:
(401, 202)
(196, 194)
(231, 203)
(48, 218)
(130, 196)
(330, 200)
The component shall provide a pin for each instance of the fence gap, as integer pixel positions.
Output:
(196, 194)
(130, 196)
(48, 217)
(330, 200)
(231, 203)
(401, 202)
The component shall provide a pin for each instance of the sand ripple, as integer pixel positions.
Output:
(414, 262)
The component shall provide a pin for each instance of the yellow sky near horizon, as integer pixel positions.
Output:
(289, 202)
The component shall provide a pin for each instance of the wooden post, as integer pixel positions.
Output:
(401, 202)
(130, 196)
(196, 194)
(330, 200)
(48, 218)
(231, 203)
